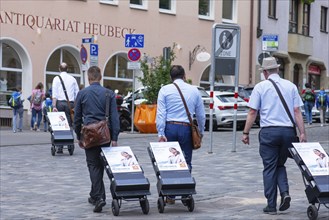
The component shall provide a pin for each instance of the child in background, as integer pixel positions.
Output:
(47, 106)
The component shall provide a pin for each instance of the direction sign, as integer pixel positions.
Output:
(87, 40)
(226, 42)
(83, 54)
(93, 49)
(134, 54)
(270, 42)
(134, 40)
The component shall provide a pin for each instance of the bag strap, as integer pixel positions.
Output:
(183, 99)
(66, 96)
(107, 94)
(284, 103)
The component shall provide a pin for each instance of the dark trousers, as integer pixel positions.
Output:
(274, 143)
(182, 134)
(96, 172)
(62, 106)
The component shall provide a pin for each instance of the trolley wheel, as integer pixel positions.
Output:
(161, 205)
(70, 149)
(144, 205)
(312, 212)
(115, 207)
(53, 150)
(190, 204)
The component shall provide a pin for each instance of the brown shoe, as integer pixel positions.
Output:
(170, 201)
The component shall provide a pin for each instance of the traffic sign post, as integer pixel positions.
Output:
(270, 42)
(93, 54)
(134, 54)
(83, 54)
(225, 61)
(134, 40)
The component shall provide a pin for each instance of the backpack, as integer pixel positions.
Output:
(15, 100)
(322, 99)
(49, 105)
(309, 96)
(37, 98)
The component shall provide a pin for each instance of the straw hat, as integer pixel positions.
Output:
(269, 63)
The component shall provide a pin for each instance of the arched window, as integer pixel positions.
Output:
(10, 72)
(62, 55)
(116, 74)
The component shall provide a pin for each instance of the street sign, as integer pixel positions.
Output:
(87, 40)
(226, 42)
(93, 49)
(133, 65)
(134, 40)
(270, 42)
(83, 54)
(134, 54)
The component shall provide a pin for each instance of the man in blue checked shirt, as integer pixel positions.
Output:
(172, 121)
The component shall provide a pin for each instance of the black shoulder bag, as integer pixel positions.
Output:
(67, 99)
(285, 107)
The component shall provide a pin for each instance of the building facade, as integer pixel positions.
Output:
(36, 36)
(296, 33)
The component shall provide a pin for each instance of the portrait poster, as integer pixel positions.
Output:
(121, 159)
(314, 157)
(58, 121)
(168, 156)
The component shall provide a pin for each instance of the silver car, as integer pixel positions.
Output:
(224, 109)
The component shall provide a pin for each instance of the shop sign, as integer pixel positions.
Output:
(312, 69)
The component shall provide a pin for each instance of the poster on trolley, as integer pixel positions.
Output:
(314, 157)
(58, 121)
(168, 156)
(121, 159)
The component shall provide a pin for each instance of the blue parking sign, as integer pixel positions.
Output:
(93, 49)
(134, 40)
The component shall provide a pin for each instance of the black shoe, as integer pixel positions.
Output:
(270, 211)
(99, 205)
(92, 201)
(285, 201)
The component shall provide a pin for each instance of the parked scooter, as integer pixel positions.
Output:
(124, 114)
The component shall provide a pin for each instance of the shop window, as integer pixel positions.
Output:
(228, 10)
(116, 74)
(324, 16)
(59, 56)
(206, 8)
(272, 8)
(10, 72)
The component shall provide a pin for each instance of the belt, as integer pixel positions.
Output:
(178, 123)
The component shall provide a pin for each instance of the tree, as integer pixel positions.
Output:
(156, 75)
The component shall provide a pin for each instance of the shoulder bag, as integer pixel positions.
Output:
(97, 133)
(67, 99)
(286, 108)
(196, 136)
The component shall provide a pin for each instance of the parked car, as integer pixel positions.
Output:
(242, 91)
(224, 109)
(139, 98)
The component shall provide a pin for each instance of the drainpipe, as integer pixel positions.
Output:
(251, 41)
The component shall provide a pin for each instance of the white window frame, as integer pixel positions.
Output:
(143, 6)
(211, 11)
(172, 10)
(234, 13)
(109, 2)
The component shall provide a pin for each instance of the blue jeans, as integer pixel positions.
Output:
(183, 135)
(18, 112)
(35, 114)
(308, 111)
(274, 143)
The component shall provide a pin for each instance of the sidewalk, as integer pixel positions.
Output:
(36, 185)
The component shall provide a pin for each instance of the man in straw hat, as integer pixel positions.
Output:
(277, 131)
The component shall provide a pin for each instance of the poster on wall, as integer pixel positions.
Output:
(169, 156)
(121, 159)
(58, 121)
(314, 157)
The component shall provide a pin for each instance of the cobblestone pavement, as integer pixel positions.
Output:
(36, 185)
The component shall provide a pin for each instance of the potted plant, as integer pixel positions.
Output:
(155, 75)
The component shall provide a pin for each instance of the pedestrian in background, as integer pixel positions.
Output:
(90, 107)
(36, 100)
(172, 121)
(322, 103)
(277, 131)
(47, 106)
(16, 103)
(64, 101)
(309, 100)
